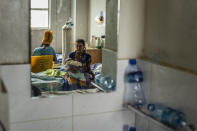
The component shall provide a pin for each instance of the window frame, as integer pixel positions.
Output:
(41, 9)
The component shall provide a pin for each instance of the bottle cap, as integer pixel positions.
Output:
(132, 129)
(132, 62)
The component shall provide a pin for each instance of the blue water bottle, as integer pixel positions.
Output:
(167, 115)
(109, 84)
(134, 92)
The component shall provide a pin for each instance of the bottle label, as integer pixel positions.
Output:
(133, 77)
(172, 117)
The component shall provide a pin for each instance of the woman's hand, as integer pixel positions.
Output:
(78, 56)
(93, 76)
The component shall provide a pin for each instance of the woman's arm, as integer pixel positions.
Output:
(90, 71)
(88, 65)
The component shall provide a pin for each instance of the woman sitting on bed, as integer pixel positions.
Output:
(45, 48)
(83, 57)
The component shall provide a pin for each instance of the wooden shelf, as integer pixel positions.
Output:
(145, 116)
(96, 55)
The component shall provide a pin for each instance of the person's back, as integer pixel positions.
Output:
(43, 51)
(45, 48)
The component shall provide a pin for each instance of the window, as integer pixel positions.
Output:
(39, 13)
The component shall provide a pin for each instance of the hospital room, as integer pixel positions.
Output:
(66, 48)
(98, 65)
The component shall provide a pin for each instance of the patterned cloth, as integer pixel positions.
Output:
(43, 51)
(46, 83)
(85, 60)
(56, 80)
(74, 83)
(77, 79)
(54, 72)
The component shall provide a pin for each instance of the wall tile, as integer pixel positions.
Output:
(175, 89)
(141, 123)
(22, 106)
(97, 103)
(44, 125)
(113, 121)
(4, 109)
(153, 127)
(102, 102)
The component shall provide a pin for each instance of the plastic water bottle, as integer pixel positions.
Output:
(133, 82)
(132, 129)
(99, 78)
(105, 82)
(169, 116)
(108, 84)
(127, 128)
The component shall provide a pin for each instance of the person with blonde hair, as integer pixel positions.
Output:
(45, 48)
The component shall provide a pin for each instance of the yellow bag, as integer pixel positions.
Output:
(41, 63)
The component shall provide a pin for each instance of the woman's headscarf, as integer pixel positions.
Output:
(48, 37)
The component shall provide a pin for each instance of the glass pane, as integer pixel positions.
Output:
(39, 3)
(39, 18)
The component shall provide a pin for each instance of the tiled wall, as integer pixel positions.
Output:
(168, 86)
(172, 88)
(3, 108)
(94, 112)
(84, 112)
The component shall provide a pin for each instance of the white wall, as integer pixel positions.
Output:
(171, 87)
(171, 32)
(3, 106)
(131, 28)
(78, 112)
(36, 39)
(95, 8)
(60, 11)
(169, 25)
(82, 14)
(73, 15)
(14, 34)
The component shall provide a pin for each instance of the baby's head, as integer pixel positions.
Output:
(69, 61)
(72, 65)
